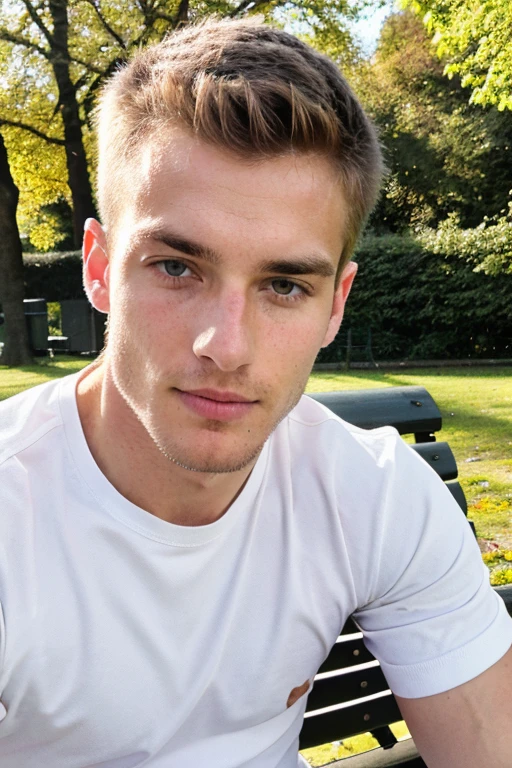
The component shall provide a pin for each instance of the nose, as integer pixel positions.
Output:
(225, 334)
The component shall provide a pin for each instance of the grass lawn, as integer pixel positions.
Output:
(14, 380)
(476, 406)
(318, 756)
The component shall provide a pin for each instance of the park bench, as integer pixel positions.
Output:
(350, 694)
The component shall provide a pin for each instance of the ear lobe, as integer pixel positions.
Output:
(340, 299)
(96, 266)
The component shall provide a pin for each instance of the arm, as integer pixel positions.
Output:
(470, 725)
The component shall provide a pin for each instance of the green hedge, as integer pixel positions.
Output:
(419, 304)
(425, 305)
(53, 276)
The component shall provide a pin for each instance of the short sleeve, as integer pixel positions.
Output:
(431, 617)
(2, 648)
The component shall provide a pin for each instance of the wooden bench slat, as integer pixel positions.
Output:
(439, 456)
(350, 628)
(346, 687)
(505, 592)
(349, 721)
(346, 654)
(410, 409)
(458, 494)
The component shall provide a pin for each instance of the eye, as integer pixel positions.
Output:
(173, 267)
(284, 287)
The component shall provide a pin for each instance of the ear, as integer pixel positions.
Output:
(340, 299)
(96, 266)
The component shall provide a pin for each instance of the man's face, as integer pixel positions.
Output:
(221, 290)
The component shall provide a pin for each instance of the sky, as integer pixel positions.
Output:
(367, 29)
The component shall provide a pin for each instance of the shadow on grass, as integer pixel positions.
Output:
(372, 376)
(52, 368)
(15, 380)
(401, 377)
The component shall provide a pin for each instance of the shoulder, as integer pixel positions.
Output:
(25, 418)
(379, 489)
(317, 435)
(367, 479)
(30, 432)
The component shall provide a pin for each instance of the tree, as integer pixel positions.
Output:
(476, 40)
(43, 30)
(445, 156)
(39, 170)
(57, 53)
(16, 347)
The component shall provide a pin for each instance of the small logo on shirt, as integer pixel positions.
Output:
(296, 693)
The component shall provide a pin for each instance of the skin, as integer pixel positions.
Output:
(220, 274)
(468, 726)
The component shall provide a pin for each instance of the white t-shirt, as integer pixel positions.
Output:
(127, 641)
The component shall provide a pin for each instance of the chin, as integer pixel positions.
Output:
(211, 453)
(212, 464)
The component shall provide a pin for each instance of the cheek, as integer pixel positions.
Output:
(148, 318)
(294, 346)
(301, 330)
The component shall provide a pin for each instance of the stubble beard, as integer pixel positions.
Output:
(213, 466)
(169, 448)
(172, 453)
(210, 467)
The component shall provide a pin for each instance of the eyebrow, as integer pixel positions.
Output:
(306, 265)
(181, 244)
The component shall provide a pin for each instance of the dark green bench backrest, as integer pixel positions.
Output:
(411, 410)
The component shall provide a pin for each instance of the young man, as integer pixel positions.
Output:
(182, 535)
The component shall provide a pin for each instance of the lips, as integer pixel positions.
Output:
(219, 396)
(216, 404)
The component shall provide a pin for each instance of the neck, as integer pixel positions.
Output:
(128, 457)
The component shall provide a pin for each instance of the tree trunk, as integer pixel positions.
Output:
(16, 349)
(78, 174)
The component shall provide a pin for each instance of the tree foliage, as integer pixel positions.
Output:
(488, 247)
(40, 172)
(445, 156)
(54, 56)
(475, 40)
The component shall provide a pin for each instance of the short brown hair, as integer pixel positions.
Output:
(250, 89)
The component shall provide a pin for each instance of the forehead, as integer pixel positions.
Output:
(181, 181)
